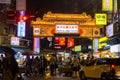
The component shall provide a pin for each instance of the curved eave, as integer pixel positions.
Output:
(41, 23)
(56, 16)
(65, 19)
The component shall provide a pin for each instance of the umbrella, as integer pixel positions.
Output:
(4, 49)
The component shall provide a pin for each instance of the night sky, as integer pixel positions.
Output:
(39, 7)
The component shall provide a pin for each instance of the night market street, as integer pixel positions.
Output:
(48, 77)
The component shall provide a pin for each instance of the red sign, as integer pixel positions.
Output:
(70, 42)
(62, 41)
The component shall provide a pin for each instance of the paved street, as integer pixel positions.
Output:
(49, 77)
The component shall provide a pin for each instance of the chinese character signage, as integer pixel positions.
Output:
(21, 29)
(15, 41)
(66, 28)
(70, 42)
(107, 5)
(101, 19)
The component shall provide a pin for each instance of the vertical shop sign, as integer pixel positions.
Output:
(21, 29)
(95, 44)
(20, 5)
(107, 5)
(36, 44)
(70, 42)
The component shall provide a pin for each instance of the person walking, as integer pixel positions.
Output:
(53, 64)
(10, 66)
(75, 66)
(28, 66)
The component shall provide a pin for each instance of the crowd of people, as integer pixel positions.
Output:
(34, 66)
(38, 65)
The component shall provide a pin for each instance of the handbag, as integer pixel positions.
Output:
(20, 77)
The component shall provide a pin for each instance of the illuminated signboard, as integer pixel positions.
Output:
(107, 5)
(37, 44)
(115, 48)
(66, 28)
(15, 41)
(21, 29)
(36, 31)
(62, 41)
(95, 44)
(109, 30)
(59, 42)
(77, 48)
(56, 43)
(70, 42)
(103, 39)
(101, 19)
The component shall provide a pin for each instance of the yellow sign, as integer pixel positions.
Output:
(103, 39)
(107, 5)
(101, 19)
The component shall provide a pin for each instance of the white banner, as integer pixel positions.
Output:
(64, 28)
(5, 1)
(20, 5)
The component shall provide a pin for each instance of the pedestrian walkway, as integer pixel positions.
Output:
(49, 77)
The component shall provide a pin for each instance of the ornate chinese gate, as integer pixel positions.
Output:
(55, 23)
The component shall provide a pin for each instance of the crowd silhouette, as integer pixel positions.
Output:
(39, 65)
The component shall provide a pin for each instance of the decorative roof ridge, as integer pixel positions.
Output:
(51, 15)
